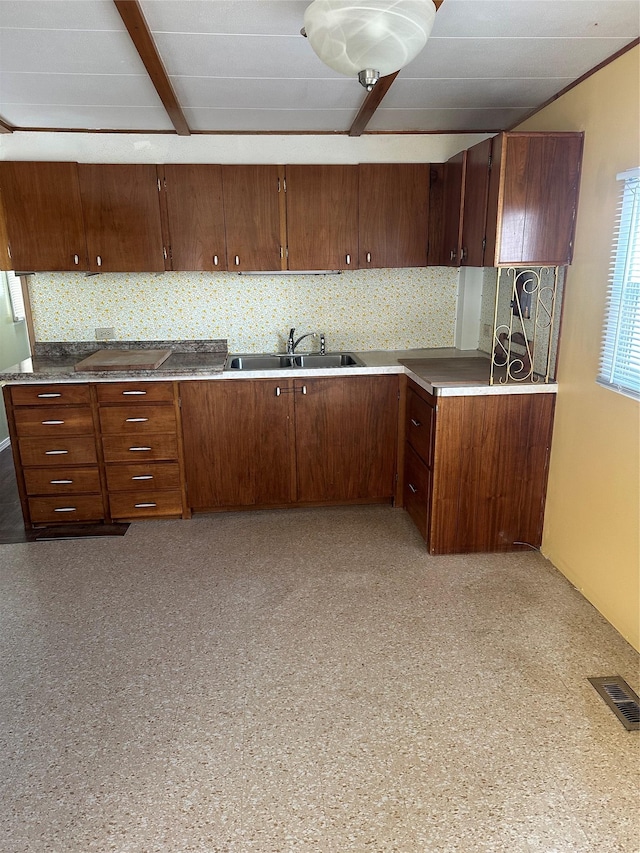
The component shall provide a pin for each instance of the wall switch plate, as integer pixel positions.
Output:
(105, 334)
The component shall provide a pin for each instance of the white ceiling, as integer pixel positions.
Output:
(242, 65)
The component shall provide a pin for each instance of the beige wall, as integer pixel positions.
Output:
(593, 508)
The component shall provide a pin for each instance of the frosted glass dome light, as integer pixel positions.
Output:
(352, 36)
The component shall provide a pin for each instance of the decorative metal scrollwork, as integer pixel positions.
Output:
(521, 350)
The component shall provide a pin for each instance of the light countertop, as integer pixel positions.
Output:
(444, 371)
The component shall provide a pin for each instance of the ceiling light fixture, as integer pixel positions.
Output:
(368, 38)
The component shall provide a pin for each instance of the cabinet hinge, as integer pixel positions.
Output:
(490, 161)
(484, 243)
(396, 477)
(179, 402)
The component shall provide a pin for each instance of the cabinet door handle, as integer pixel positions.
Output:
(52, 423)
(463, 256)
(55, 452)
(368, 257)
(304, 389)
(136, 420)
(348, 260)
(415, 422)
(65, 509)
(139, 448)
(43, 396)
(237, 260)
(76, 259)
(278, 391)
(143, 477)
(99, 260)
(144, 506)
(215, 260)
(413, 488)
(61, 482)
(452, 255)
(128, 393)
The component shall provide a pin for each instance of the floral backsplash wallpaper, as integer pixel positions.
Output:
(360, 310)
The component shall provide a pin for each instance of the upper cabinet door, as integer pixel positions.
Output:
(254, 217)
(454, 184)
(474, 212)
(194, 217)
(533, 198)
(42, 217)
(322, 217)
(393, 214)
(122, 217)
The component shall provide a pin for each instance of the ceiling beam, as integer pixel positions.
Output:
(135, 22)
(375, 96)
(5, 127)
(371, 104)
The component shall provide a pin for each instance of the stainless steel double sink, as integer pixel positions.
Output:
(278, 361)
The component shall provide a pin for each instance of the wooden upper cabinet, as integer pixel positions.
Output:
(42, 217)
(322, 217)
(474, 209)
(393, 214)
(454, 184)
(533, 197)
(122, 217)
(193, 217)
(254, 217)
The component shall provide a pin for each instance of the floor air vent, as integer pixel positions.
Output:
(622, 700)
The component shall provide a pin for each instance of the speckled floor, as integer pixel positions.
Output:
(306, 680)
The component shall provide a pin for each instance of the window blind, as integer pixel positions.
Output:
(15, 295)
(620, 356)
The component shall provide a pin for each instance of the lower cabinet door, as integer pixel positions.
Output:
(346, 432)
(417, 490)
(238, 442)
(66, 508)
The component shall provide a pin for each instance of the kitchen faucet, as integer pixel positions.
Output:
(292, 343)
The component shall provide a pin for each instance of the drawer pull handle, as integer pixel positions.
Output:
(61, 482)
(136, 420)
(415, 422)
(52, 423)
(413, 488)
(304, 389)
(139, 448)
(128, 393)
(55, 452)
(48, 395)
(144, 506)
(65, 509)
(143, 477)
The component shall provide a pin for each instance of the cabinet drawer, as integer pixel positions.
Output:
(420, 417)
(43, 395)
(145, 504)
(78, 450)
(54, 420)
(129, 392)
(417, 490)
(66, 508)
(155, 475)
(135, 419)
(60, 481)
(126, 448)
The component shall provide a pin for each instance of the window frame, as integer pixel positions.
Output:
(619, 367)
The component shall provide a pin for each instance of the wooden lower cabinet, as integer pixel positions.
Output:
(277, 442)
(89, 452)
(141, 447)
(486, 486)
(56, 456)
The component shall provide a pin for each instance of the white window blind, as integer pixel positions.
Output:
(15, 295)
(620, 357)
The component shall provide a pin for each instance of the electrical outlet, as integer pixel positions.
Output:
(105, 334)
